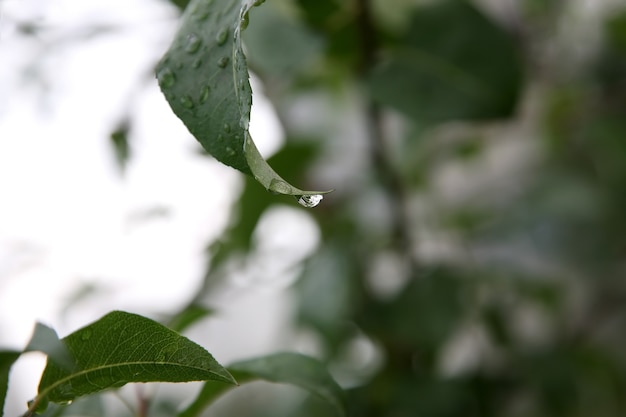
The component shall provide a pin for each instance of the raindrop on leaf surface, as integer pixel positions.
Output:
(279, 187)
(186, 102)
(221, 37)
(310, 201)
(86, 335)
(204, 94)
(196, 63)
(192, 43)
(166, 78)
(222, 62)
(226, 128)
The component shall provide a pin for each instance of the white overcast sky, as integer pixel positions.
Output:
(67, 216)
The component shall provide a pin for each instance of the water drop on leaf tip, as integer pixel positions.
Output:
(310, 201)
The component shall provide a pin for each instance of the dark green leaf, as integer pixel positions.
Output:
(454, 63)
(7, 359)
(121, 348)
(204, 77)
(287, 368)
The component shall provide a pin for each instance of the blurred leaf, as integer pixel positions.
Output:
(119, 140)
(454, 63)
(423, 316)
(190, 315)
(295, 369)
(204, 77)
(7, 359)
(121, 348)
(286, 368)
(45, 340)
(325, 294)
(271, 34)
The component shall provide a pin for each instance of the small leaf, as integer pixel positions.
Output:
(45, 340)
(204, 77)
(7, 359)
(286, 368)
(121, 348)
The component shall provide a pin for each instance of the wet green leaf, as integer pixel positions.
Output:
(121, 348)
(204, 77)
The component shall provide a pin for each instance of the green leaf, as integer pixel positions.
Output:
(121, 348)
(7, 359)
(295, 369)
(204, 77)
(45, 340)
(287, 368)
(453, 63)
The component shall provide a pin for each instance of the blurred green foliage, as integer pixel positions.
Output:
(509, 297)
(480, 253)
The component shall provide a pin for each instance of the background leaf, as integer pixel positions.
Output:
(121, 348)
(454, 63)
(286, 368)
(45, 340)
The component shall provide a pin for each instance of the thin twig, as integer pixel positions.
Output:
(381, 161)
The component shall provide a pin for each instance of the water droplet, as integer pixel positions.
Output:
(196, 63)
(86, 334)
(259, 2)
(244, 122)
(204, 94)
(221, 37)
(222, 62)
(226, 128)
(279, 187)
(166, 77)
(180, 65)
(245, 20)
(192, 44)
(310, 201)
(186, 102)
(230, 151)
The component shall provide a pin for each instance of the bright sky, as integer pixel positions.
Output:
(67, 216)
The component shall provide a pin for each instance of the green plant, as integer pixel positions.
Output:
(475, 242)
